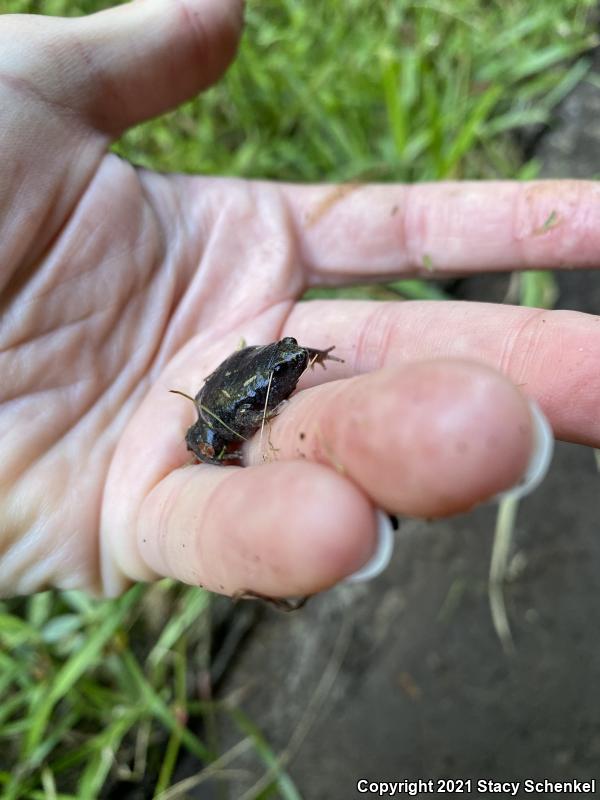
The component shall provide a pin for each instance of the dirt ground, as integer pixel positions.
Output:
(405, 678)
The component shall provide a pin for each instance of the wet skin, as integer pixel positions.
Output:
(244, 390)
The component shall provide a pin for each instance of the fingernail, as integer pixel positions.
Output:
(541, 456)
(382, 555)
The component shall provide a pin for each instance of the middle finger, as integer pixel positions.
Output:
(424, 439)
(552, 356)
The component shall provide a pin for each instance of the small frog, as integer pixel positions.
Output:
(243, 391)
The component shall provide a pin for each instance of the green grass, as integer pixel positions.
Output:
(322, 90)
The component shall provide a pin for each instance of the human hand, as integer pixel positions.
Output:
(118, 284)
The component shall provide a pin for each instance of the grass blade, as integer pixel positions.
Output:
(76, 666)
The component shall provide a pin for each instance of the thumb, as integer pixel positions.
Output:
(127, 64)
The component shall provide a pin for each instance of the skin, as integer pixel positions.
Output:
(117, 284)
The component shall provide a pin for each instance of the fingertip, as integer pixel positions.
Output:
(425, 439)
(539, 459)
(382, 554)
(286, 529)
(465, 434)
(304, 528)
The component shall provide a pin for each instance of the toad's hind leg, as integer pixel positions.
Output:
(280, 603)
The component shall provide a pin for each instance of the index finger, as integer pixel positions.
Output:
(368, 231)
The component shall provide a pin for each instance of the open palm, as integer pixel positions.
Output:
(118, 284)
